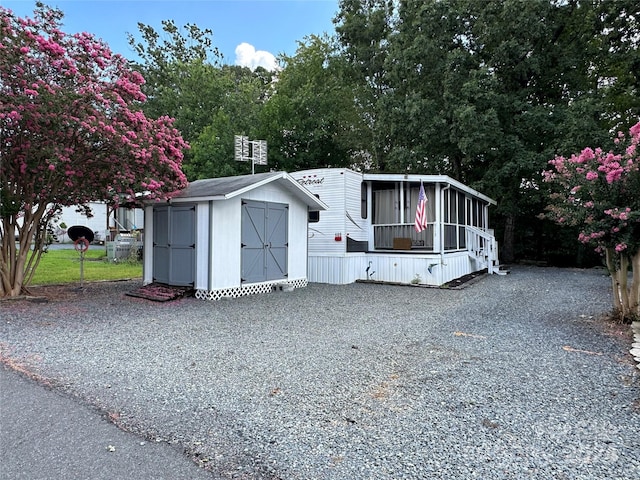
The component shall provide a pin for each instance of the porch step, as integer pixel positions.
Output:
(502, 270)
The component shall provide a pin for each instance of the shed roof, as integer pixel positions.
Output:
(224, 188)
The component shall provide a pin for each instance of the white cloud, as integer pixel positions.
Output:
(248, 56)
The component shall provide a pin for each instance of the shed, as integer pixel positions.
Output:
(230, 236)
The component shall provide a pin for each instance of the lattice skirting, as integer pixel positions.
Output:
(252, 289)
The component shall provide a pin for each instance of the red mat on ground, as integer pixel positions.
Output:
(159, 292)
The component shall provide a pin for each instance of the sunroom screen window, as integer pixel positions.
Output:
(454, 214)
(386, 203)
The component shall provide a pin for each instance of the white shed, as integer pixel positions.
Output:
(231, 236)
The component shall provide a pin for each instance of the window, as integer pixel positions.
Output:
(411, 192)
(455, 214)
(314, 215)
(461, 207)
(385, 203)
(363, 200)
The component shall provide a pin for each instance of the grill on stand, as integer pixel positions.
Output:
(82, 238)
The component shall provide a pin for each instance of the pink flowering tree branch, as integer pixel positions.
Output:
(600, 192)
(71, 131)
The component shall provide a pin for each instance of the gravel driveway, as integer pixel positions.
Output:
(509, 377)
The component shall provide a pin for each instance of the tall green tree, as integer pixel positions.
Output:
(312, 118)
(363, 28)
(212, 152)
(181, 78)
(488, 91)
(210, 101)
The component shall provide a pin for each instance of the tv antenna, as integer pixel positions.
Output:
(254, 151)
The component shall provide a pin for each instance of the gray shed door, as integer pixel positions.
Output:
(264, 241)
(174, 254)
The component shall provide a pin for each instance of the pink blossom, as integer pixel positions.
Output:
(591, 175)
(586, 155)
(614, 175)
(104, 106)
(621, 246)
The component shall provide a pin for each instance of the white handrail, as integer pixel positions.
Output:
(487, 250)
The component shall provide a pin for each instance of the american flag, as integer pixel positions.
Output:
(421, 211)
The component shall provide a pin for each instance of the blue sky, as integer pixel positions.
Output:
(247, 32)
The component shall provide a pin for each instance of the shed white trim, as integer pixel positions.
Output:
(225, 188)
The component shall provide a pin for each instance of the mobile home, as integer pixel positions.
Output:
(104, 222)
(368, 231)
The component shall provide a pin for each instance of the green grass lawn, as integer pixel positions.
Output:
(63, 266)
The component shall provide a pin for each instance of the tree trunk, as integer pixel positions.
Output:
(626, 299)
(623, 275)
(18, 264)
(506, 249)
(615, 285)
(634, 293)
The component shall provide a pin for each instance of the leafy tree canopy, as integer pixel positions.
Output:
(487, 91)
(211, 102)
(312, 119)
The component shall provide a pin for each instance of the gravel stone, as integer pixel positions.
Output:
(509, 377)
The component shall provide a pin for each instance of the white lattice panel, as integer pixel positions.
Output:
(253, 289)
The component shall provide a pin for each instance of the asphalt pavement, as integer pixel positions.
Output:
(45, 434)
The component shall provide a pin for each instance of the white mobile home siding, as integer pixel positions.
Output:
(434, 263)
(339, 188)
(98, 222)
(355, 226)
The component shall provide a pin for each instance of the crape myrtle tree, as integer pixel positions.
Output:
(598, 191)
(71, 132)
